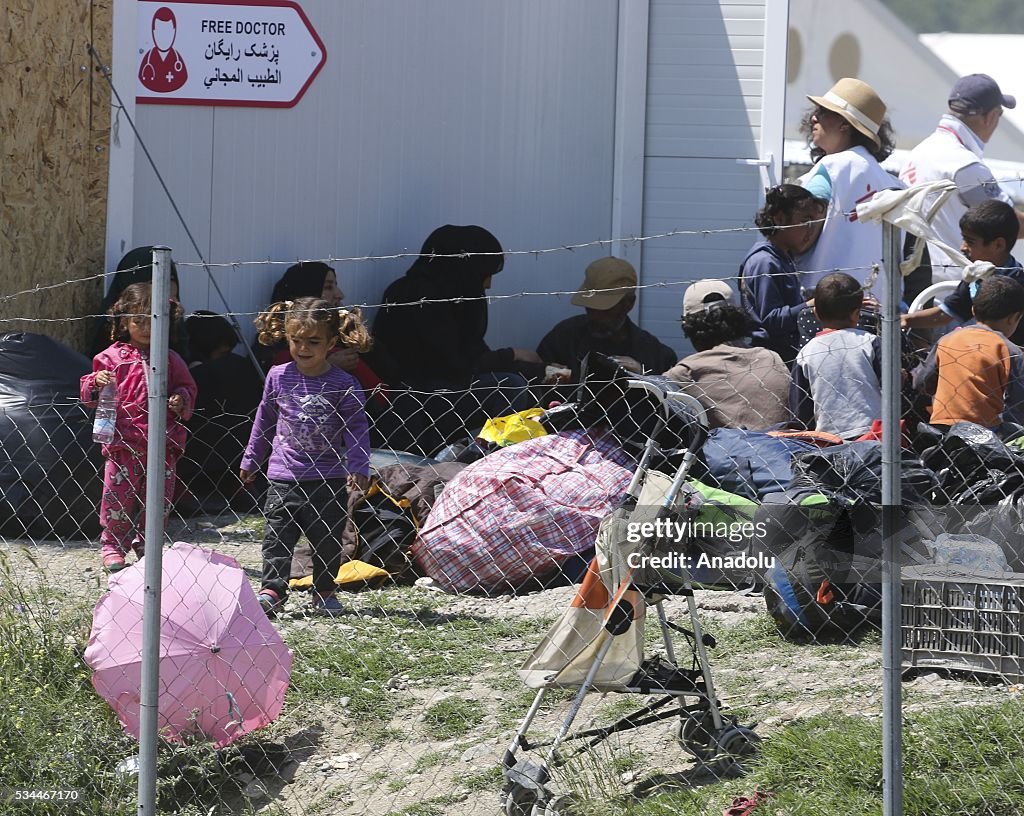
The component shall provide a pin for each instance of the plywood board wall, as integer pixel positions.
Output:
(54, 127)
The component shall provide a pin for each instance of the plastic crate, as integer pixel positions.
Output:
(964, 620)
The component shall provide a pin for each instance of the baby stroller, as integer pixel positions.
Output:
(598, 644)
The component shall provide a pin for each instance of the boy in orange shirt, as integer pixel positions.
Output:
(974, 373)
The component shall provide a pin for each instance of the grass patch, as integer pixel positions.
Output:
(437, 806)
(618, 708)
(57, 732)
(452, 717)
(251, 526)
(491, 779)
(328, 803)
(514, 708)
(429, 760)
(330, 666)
(957, 761)
(627, 760)
(467, 643)
(746, 637)
(371, 658)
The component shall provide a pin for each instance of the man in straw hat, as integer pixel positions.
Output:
(849, 136)
(608, 293)
(954, 151)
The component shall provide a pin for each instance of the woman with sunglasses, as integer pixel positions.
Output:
(849, 136)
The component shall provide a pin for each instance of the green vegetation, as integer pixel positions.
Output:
(411, 670)
(452, 717)
(965, 16)
(958, 761)
(56, 731)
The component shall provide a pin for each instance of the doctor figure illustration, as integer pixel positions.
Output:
(162, 69)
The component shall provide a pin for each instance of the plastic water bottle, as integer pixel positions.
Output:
(970, 551)
(106, 415)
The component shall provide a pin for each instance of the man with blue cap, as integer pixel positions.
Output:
(954, 151)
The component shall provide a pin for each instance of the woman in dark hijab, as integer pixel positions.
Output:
(441, 344)
(308, 279)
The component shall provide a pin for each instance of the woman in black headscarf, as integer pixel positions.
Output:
(440, 344)
(434, 320)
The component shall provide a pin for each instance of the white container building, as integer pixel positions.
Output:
(550, 122)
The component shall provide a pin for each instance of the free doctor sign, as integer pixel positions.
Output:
(260, 53)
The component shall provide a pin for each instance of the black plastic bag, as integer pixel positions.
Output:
(854, 472)
(50, 469)
(974, 466)
(817, 586)
(607, 397)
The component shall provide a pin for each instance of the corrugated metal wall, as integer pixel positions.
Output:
(467, 111)
(55, 120)
(704, 97)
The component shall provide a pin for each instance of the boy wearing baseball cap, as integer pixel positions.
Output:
(740, 386)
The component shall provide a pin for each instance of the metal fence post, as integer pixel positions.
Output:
(892, 656)
(156, 452)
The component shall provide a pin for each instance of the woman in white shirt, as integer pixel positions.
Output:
(849, 136)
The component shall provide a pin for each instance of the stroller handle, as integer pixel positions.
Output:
(661, 397)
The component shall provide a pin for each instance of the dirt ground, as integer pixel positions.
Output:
(327, 763)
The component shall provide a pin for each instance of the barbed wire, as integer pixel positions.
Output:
(460, 299)
(38, 288)
(457, 300)
(632, 239)
(339, 259)
(179, 265)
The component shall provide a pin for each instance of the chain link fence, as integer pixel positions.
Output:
(601, 606)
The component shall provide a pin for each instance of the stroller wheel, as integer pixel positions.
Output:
(737, 745)
(696, 734)
(518, 801)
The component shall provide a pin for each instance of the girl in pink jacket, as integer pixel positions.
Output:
(126, 365)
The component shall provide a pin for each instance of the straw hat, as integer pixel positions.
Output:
(606, 282)
(857, 103)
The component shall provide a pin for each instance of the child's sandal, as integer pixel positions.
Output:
(270, 603)
(114, 563)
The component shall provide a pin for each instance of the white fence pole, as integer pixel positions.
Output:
(892, 655)
(156, 464)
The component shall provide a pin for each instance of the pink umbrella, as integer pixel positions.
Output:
(223, 667)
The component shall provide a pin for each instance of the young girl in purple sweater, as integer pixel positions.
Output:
(312, 424)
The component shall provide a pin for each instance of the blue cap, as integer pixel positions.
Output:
(978, 93)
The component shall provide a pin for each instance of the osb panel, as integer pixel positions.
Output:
(54, 125)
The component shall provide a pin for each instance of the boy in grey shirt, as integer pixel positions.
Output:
(837, 378)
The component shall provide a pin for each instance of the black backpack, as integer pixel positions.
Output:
(817, 587)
